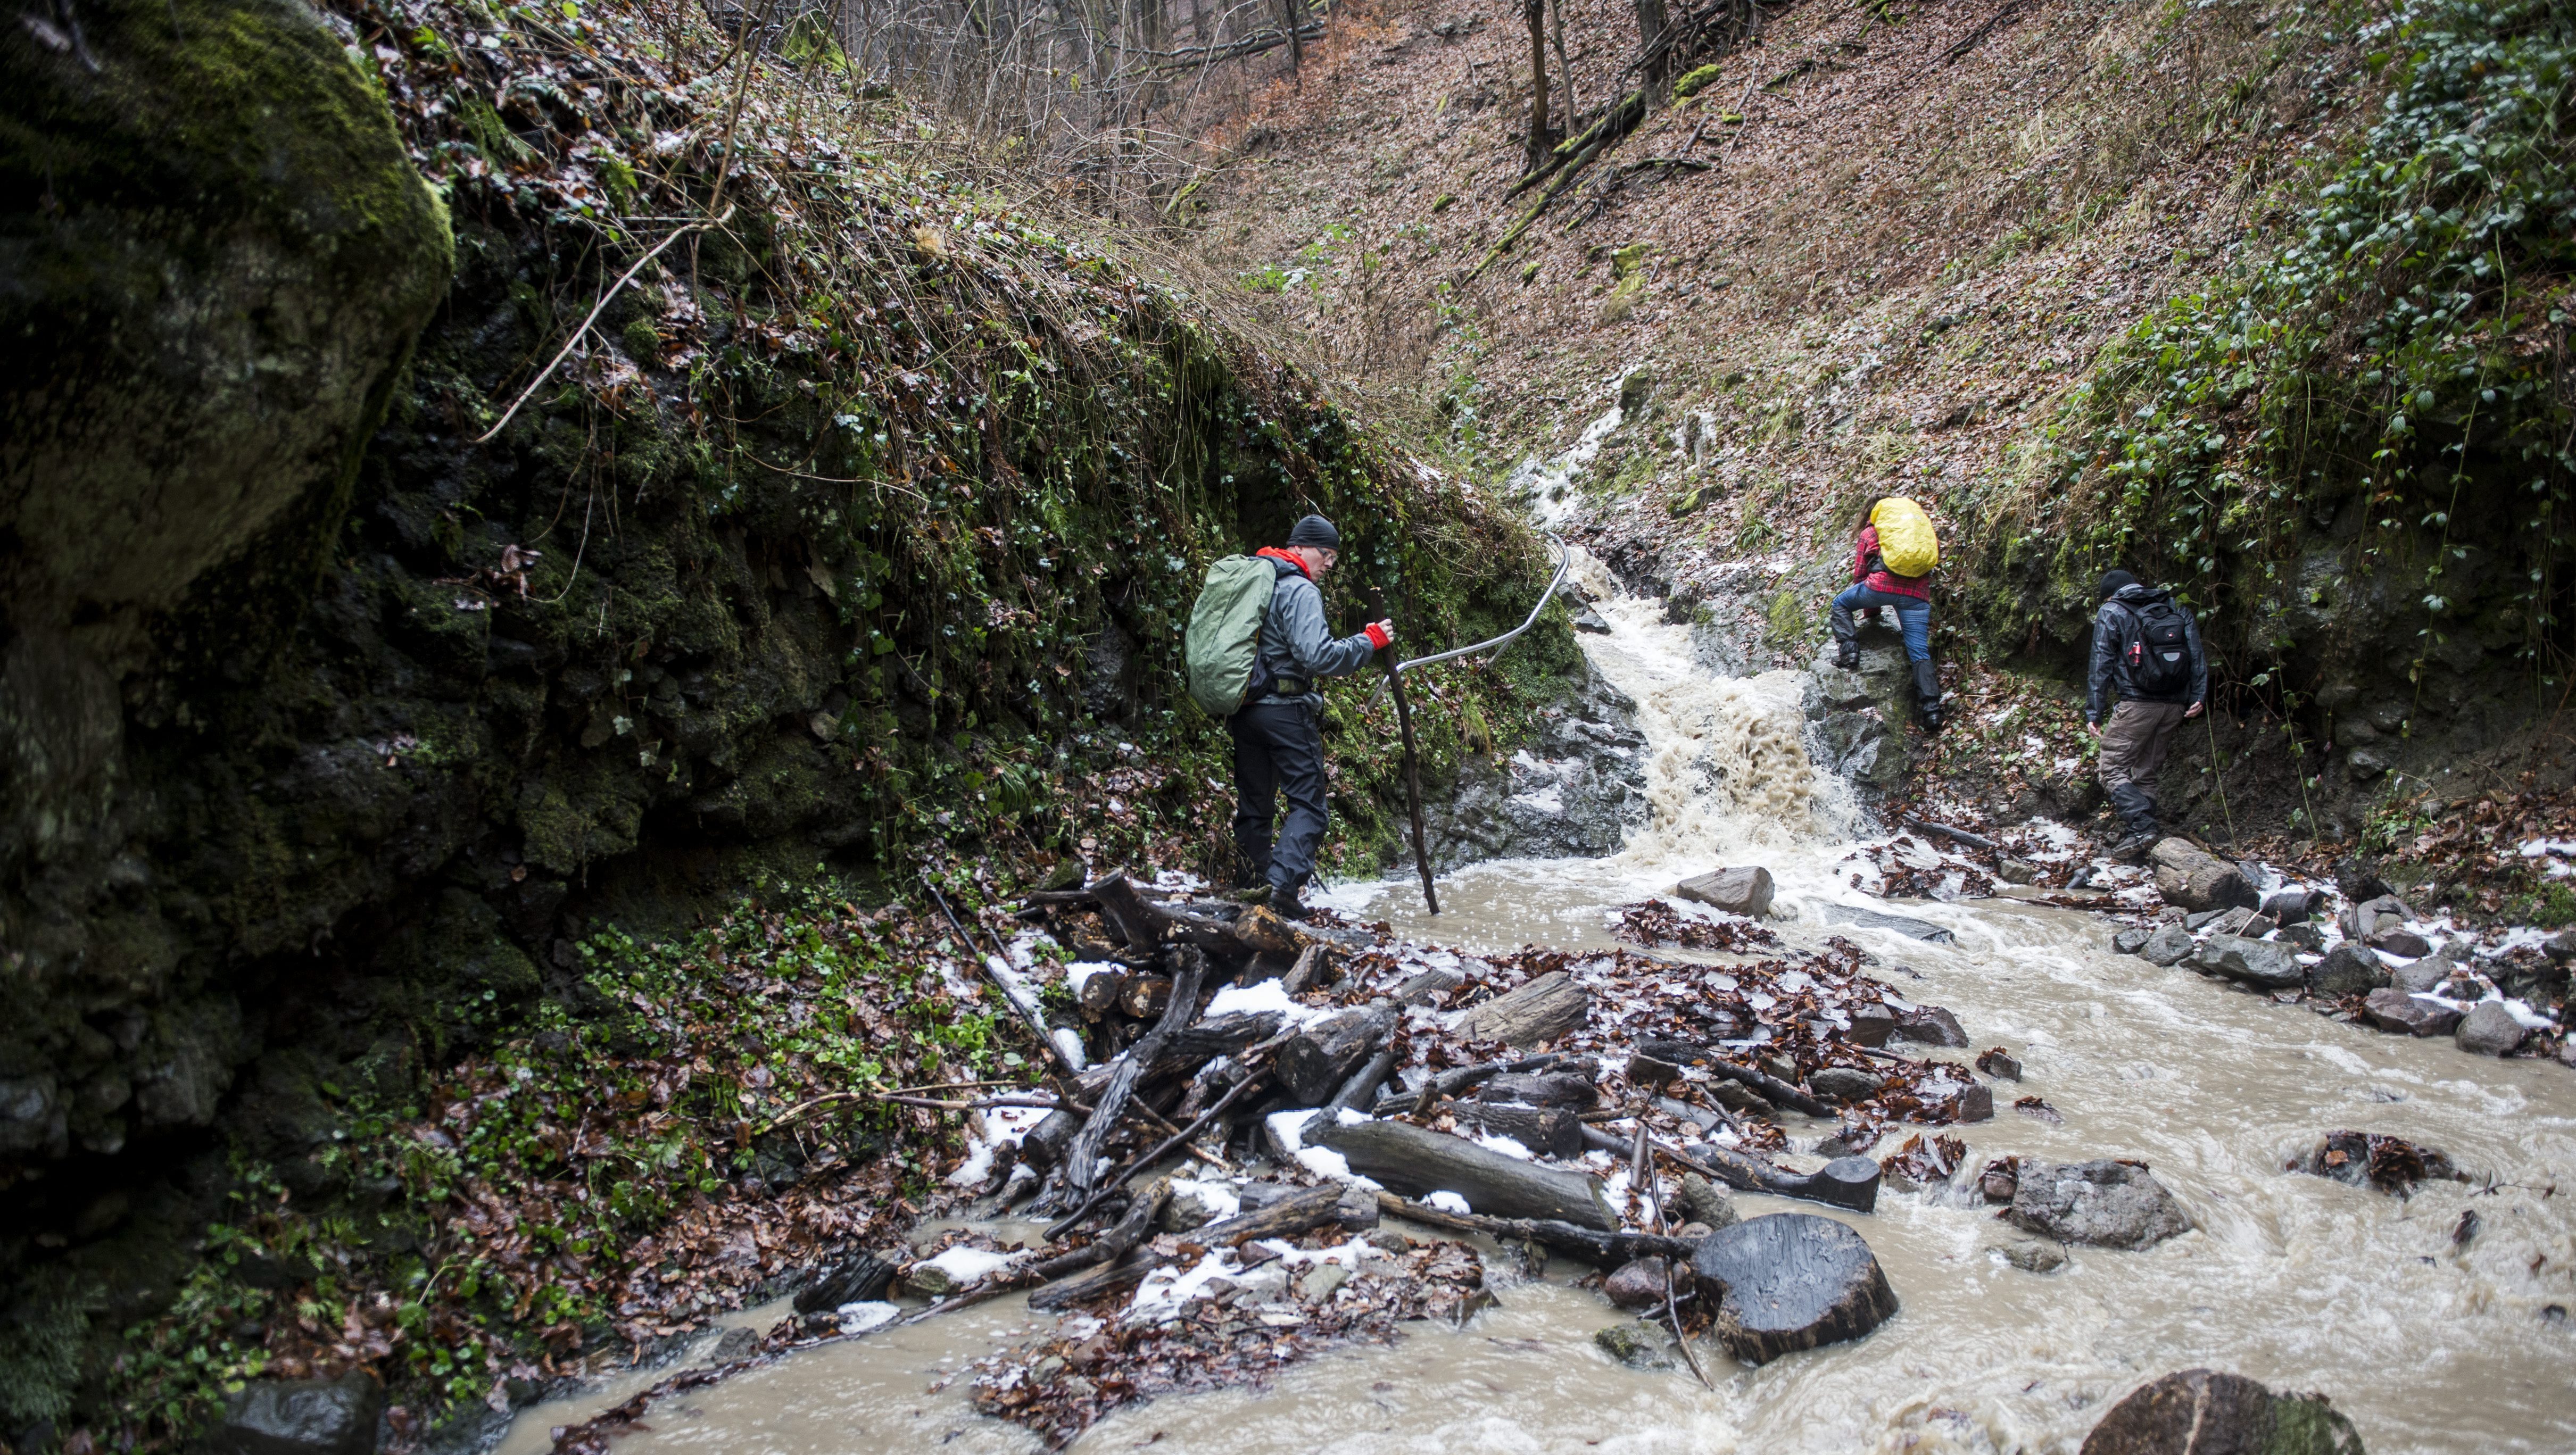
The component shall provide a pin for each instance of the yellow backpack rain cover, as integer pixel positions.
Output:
(1905, 539)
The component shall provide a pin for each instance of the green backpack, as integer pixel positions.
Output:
(1224, 640)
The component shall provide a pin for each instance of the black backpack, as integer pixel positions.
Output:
(2158, 650)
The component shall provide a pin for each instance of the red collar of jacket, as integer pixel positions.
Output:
(1276, 554)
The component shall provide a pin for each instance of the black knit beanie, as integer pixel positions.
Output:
(2112, 581)
(1314, 530)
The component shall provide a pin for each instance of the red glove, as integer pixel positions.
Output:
(1380, 633)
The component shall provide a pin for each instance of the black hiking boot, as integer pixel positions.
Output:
(1286, 902)
(1927, 694)
(2134, 848)
(1846, 638)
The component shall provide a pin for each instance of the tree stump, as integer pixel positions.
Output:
(1793, 1281)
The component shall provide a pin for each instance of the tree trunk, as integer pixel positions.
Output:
(1418, 1162)
(1541, 140)
(1651, 25)
(1539, 1010)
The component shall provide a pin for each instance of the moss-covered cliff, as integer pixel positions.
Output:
(358, 664)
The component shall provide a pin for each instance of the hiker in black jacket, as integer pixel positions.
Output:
(2147, 658)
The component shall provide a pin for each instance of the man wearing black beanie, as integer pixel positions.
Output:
(1278, 733)
(2147, 658)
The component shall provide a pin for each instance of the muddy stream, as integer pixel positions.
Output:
(2428, 1345)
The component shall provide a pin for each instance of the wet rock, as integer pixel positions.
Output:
(2103, 1203)
(1974, 1102)
(2169, 945)
(2363, 919)
(2130, 941)
(2305, 936)
(1638, 1345)
(2391, 1164)
(2417, 977)
(1574, 789)
(1792, 1281)
(1192, 1207)
(2359, 880)
(1738, 1097)
(1871, 919)
(2259, 963)
(858, 1278)
(2560, 946)
(1639, 1284)
(2401, 942)
(2490, 1030)
(301, 1417)
(2017, 871)
(1708, 1204)
(1649, 1072)
(1576, 1093)
(2218, 921)
(2346, 971)
(2196, 880)
(1845, 1084)
(1998, 1062)
(1744, 891)
(2202, 1412)
(1931, 1025)
(2392, 1009)
(1999, 1181)
(2033, 1255)
(1322, 1281)
(1871, 1025)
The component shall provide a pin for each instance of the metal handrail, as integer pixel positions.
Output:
(1564, 560)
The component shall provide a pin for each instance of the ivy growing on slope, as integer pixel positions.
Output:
(2390, 376)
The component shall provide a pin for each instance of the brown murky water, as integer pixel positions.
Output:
(2299, 1282)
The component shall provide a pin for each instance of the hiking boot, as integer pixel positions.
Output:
(1847, 655)
(1927, 694)
(1846, 637)
(2134, 848)
(1285, 902)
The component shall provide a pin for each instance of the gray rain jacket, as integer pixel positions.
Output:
(2107, 680)
(1295, 643)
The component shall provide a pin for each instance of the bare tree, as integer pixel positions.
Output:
(1541, 140)
(1652, 21)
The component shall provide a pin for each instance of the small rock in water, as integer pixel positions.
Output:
(2392, 1009)
(1706, 1202)
(1744, 891)
(2033, 1255)
(2391, 1164)
(2131, 940)
(2104, 1203)
(859, 1278)
(1845, 1084)
(2259, 963)
(1999, 1063)
(2490, 1030)
(2306, 936)
(2346, 971)
(301, 1417)
(1639, 1284)
(2363, 919)
(2203, 1412)
(2217, 921)
(2017, 871)
(1871, 1025)
(2196, 880)
(1639, 1345)
(2169, 945)
(1931, 1025)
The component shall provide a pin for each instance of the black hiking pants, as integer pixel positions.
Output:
(1279, 746)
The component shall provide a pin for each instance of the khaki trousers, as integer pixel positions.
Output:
(2134, 742)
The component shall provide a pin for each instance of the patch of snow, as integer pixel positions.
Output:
(858, 1318)
(964, 1265)
(1168, 1288)
(1448, 1202)
(1288, 1128)
(1508, 1146)
(1263, 996)
(1218, 1198)
(1079, 973)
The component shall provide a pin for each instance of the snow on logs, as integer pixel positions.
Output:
(1417, 1161)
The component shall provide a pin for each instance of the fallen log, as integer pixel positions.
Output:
(1144, 996)
(1598, 1248)
(1099, 993)
(1575, 1093)
(1974, 841)
(1548, 1131)
(1116, 1278)
(1845, 1182)
(1185, 1050)
(1417, 1161)
(1450, 1083)
(1541, 1010)
(1772, 1088)
(1082, 1156)
(1363, 1083)
(1312, 1065)
(1311, 968)
(1792, 1281)
(1156, 1154)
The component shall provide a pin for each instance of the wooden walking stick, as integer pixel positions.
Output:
(1412, 763)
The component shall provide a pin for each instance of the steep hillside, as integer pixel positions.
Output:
(556, 479)
(2262, 300)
